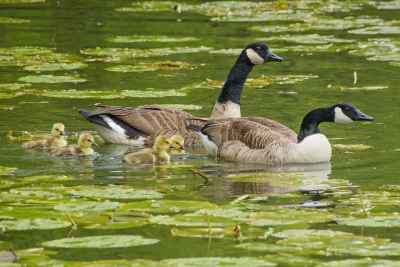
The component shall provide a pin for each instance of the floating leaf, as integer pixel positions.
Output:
(363, 88)
(88, 206)
(373, 221)
(118, 223)
(310, 39)
(229, 51)
(182, 106)
(365, 262)
(217, 262)
(150, 6)
(105, 241)
(7, 170)
(198, 232)
(51, 79)
(32, 224)
(377, 30)
(121, 54)
(150, 38)
(379, 49)
(21, 1)
(167, 206)
(56, 66)
(114, 192)
(352, 147)
(190, 221)
(8, 20)
(387, 5)
(153, 66)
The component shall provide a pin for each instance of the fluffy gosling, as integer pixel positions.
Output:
(83, 148)
(55, 140)
(177, 143)
(159, 153)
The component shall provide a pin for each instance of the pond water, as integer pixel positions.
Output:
(59, 56)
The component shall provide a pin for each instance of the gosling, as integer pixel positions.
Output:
(177, 143)
(159, 153)
(83, 148)
(54, 141)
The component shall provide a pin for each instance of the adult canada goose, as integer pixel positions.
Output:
(55, 140)
(246, 140)
(83, 148)
(136, 126)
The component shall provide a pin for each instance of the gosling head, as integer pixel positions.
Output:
(259, 53)
(347, 113)
(161, 144)
(58, 130)
(86, 140)
(177, 143)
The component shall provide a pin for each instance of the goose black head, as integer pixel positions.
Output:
(259, 53)
(347, 113)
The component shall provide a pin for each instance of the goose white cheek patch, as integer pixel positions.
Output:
(254, 57)
(340, 117)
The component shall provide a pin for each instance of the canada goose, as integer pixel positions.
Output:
(159, 153)
(246, 140)
(55, 140)
(133, 126)
(83, 148)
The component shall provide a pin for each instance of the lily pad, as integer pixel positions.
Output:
(149, 38)
(121, 54)
(56, 66)
(217, 262)
(199, 232)
(149, 6)
(32, 224)
(310, 39)
(374, 30)
(352, 147)
(8, 20)
(372, 221)
(105, 241)
(387, 5)
(363, 88)
(167, 206)
(366, 262)
(191, 221)
(153, 66)
(51, 79)
(114, 192)
(88, 206)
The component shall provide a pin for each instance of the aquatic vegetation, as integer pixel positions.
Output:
(8, 20)
(217, 262)
(106, 241)
(387, 5)
(360, 263)
(153, 66)
(56, 66)
(51, 79)
(88, 206)
(149, 6)
(374, 30)
(149, 38)
(372, 221)
(114, 192)
(5, 171)
(32, 224)
(182, 106)
(166, 206)
(310, 39)
(121, 54)
(378, 49)
(21, 1)
(352, 147)
(362, 88)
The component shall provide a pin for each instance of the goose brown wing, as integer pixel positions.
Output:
(276, 127)
(251, 133)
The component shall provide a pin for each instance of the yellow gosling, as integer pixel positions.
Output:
(177, 143)
(157, 154)
(83, 148)
(55, 140)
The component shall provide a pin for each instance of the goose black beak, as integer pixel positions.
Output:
(274, 57)
(363, 117)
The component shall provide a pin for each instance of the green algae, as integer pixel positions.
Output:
(106, 241)
(149, 38)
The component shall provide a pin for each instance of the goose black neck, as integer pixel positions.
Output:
(312, 120)
(233, 86)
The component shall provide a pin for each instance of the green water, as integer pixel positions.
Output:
(69, 27)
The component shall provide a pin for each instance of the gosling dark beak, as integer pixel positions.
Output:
(274, 57)
(363, 117)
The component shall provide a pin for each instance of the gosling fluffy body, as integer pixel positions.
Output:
(55, 140)
(83, 148)
(159, 153)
